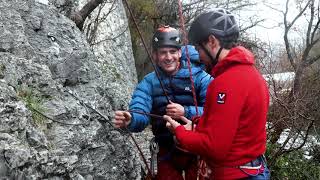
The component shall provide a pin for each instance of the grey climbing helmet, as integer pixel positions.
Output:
(218, 22)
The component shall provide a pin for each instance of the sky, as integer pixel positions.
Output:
(268, 30)
(272, 29)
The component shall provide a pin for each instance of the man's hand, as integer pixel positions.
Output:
(172, 124)
(174, 110)
(121, 119)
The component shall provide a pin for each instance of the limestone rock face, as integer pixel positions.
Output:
(45, 133)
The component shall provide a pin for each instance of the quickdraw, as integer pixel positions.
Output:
(154, 149)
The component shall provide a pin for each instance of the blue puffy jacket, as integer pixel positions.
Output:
(148, 96)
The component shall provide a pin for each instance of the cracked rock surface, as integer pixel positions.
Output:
(45, 133)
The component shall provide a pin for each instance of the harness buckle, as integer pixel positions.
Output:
(154, 149)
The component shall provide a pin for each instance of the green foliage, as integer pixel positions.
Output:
(144, 12)
(33, 103)
(145, 7)
(146, 15)
(293, 166)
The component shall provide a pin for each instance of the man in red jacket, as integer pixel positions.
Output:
(231, 134)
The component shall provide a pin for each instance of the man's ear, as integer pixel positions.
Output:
(180, 53)
(213, 42)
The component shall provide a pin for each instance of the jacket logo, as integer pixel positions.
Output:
(221, 99)
(187, 88)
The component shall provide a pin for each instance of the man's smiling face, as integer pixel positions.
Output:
(168, 59)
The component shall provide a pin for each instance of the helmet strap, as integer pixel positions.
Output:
(218, 54)
(214, 61)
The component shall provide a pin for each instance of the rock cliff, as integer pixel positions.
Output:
(45, 133)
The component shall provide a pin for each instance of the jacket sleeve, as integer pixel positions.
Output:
(201, 81)
(214, 135)
(141, 101)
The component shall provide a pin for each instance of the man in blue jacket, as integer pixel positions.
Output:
(149, 97)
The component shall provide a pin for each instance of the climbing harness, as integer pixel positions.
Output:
(257, 164)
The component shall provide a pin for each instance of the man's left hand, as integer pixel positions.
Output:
(174, 110)
(172, 124)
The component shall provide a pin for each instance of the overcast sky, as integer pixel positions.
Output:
(269, 29)
(272, 28)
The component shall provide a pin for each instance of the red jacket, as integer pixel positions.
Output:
(232, 131)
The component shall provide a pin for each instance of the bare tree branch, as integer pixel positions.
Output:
(298, 15)
(252, 25)
(308, 39)
(312, 60)
(110, 38)
(92, 32)
(315, 30)
(288, 26)
(303, 141)
(80, 16)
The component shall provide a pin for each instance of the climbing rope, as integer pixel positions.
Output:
(203, 169)
(144, 113)
(107, 121)
(185, 42)
(149, 54)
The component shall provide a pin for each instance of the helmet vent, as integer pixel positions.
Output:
(220, 25)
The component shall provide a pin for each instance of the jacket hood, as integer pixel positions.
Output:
(193, 55)
(237, 55)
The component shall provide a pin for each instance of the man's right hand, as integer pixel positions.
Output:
(121, 119)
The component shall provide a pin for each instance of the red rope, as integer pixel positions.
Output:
(185, 42)
(147, 114)
(149, 54)
(203, 170)
(140, 151)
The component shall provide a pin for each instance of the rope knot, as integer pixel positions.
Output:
(195, 119)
